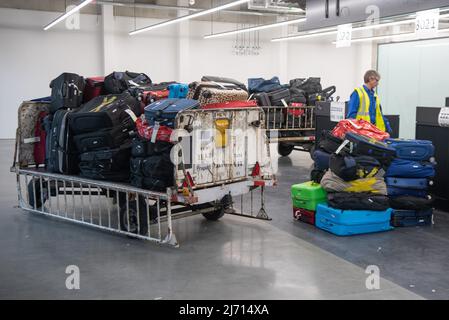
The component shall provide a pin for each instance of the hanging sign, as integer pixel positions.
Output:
(427, 23)
(344, 35)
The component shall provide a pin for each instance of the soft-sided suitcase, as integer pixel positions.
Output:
(395, 192)
(329, 143)
(178, 91)
(333, 183)
(61, 155)
(410, 169)
(66, 92)
(231, 104)
(322, 159)
(94, 87)
(119, 82)
(279, 97)
(411, 203)
(104, 112)
(143, 148)
(308, 195)
(262, 98)
(411, 218)
(358, 201)
(303, 215)
(298, 96)
(212, 92)
(364, 146)
(351, 168)
(165, 111)
(409, 183)
(416, 150)
(28, 117)
(105, 138)
(352, 222)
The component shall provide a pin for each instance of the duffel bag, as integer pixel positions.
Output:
(144, 148)
(415, 150)
(333, 183)
(280, 97)
(359, 127)
(119, 82)
(256, 85)
(159, 166)
(358, 201)
(411, 203)
(364, 146)
(409, 183)
(410, 169)
(350, 168)
(330, 143)
(104, 112)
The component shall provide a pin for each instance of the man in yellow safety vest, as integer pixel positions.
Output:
(365, 104)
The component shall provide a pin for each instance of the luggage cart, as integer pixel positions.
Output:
(293, 128)
(211, 190)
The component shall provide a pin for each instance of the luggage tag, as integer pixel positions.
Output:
(284, 103)
(131, 114)
(32, 140)
(341, 147)
(155, 131)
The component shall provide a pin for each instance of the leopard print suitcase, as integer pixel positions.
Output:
(211, 92)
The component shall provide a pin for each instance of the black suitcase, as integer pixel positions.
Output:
(262, 98)
(61, 155)
(330, 143)
(66, 92)
(119, 82)
(111, 164)
(351, 168)
(277, 97)
(104, 138)
(411, 203)
(411, 218)
(358, 201)
(143, 148)
(364, 146)
(104, 112)
(160, 167)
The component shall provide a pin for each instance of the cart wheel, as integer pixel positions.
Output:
(37, 187)
(220, 209)
(134, 220)
(285, 149)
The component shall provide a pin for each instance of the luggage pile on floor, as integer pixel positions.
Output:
(408, 179)
(373, 183)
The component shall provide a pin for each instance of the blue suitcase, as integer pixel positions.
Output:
(178, 91)
(410, 169)
(410, 218)
(396, 192)
(321, 159)
(416, 150)
(406, 183)
(351, 222)
(165, 111)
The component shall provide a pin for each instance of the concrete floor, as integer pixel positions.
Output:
(234, 258)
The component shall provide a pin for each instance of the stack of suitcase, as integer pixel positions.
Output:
(306, 197)
(408, 179)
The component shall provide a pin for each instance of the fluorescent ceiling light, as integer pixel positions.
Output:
(262, 27)
(68, 14)
(188, 17)
(380, 37)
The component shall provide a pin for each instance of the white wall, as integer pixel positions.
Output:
(30, 58)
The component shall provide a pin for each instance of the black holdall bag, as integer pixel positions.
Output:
(297, 96)
(411, 203)
(310, 86)
(262, 98)
(279, 98)
(145, 148)
(119, 82)
(331, 143)
(350, 168)
(66, 92)
(358, 201)
(104, 112)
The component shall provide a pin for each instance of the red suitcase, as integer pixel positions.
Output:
(149, 97)
(93, 88)
(304, 215)
(231, 104)
(41, 135)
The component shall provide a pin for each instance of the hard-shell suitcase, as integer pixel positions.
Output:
(41, 136)
(416, 150)
(61, 155)
(178, 91)
(409, 183)
(349, 222)
(66, 92)
(411, 218)
(395, 192)
(322, 159)
(28, 116)
(303, 215)
(279, 97)
(211, 92)
(308, 195)
(410, 169)
(411, 203)
(364, 146)
(165, 111)
(104, 112)
(358, 201)
(94, 87)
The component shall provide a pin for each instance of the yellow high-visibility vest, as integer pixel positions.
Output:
(363, 112)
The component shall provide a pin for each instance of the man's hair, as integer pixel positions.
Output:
(371, 74)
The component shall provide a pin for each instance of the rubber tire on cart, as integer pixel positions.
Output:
(37, 186)
(220, 208)
(284, 149)
(143, 216)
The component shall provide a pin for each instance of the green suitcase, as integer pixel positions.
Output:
(308, 195)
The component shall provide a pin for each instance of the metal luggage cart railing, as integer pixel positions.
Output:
(126, 210)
